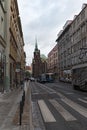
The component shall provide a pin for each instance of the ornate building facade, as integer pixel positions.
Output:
(12, 55)
(2, 45)
(72, 46)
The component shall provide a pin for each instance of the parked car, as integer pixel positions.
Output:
(32, 79)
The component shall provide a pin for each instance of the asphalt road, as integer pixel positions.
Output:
(56, 106)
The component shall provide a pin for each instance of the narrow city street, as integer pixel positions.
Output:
(56, 106)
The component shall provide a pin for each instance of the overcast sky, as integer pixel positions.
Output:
(44, 19)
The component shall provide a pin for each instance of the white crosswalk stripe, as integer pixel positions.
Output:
(84, 101)
(80, 109)
(67, 116)
(47, 89)
(47, 115)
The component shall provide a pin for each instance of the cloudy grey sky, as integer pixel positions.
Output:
(44, 19)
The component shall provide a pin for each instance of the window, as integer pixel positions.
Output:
(2, 67)
(83, 15)
(83, 28)
(84, 42)
(78, 19)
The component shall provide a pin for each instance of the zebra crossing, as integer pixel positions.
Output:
(84, 101)
(65, 114)
(80, 109)
(47, 115)
(57, 109)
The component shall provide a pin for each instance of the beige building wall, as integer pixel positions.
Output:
(2, 45)
(15, 44)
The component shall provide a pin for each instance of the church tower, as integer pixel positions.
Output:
(36, 63)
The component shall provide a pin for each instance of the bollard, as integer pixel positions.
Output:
(23, 99)
(20, 119)
(21, 107)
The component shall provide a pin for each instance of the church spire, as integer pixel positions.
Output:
(36, 47)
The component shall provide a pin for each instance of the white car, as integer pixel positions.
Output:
(32, 79)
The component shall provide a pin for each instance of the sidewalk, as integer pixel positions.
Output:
(9, 110)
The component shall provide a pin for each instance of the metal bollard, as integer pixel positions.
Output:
(23, 99)
(21, 109)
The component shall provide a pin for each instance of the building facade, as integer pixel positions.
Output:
(78, 37)
(72, 43)
(64, 52)
(2, 44)
(52, 62)
(14, 55)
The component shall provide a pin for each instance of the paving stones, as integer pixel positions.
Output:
(9, 110)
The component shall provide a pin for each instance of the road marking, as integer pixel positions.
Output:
(47, 115)
(47, 89)
(85, 97)
(52, 92)
(80, 109)
(82, 100)
(69, 93)
(66, 115)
